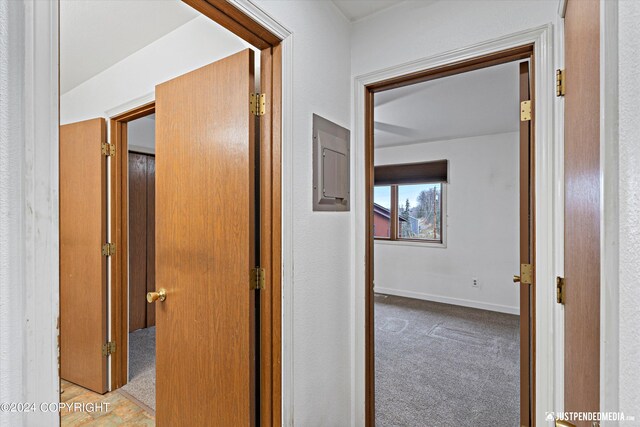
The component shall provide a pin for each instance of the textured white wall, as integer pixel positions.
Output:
(11, 215)
(321, 243)
(629, 188)
(29, 209)
(415, 29)
(482, 232)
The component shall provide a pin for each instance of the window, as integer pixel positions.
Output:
(420, 212)
(408, 202)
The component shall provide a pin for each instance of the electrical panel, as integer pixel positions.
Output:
(331, 159)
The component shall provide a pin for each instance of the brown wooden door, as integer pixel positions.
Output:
(582, 207)
(137, 241)
(151, 237)
(526, 252)
(83, 273)
(205, 246)
(141, 240)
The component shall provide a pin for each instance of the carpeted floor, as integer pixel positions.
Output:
(142, 366)
(441, 365)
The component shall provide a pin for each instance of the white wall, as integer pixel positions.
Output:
(629, 187)
(321, 249)
(11, 215)
(28, 209)
(416, 29)
(137, 75)
(482, 227)
(141, 135)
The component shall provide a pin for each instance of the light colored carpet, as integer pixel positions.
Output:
(142, 366)
(441, 365)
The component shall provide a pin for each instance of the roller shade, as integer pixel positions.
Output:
(412, 173)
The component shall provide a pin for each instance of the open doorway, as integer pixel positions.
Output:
(450, 213)
(180, 87)
(141, 381)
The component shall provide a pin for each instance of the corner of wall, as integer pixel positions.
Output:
(629, 210)
(12, 127)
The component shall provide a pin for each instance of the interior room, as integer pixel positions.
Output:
(446, 308)
(118, 82)
(272, 304)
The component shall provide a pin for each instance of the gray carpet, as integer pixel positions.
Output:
(142, 366)
(442, 365)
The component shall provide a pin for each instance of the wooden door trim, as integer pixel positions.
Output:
(525, 51)
(495, 58)
(583, 202)
(527, 249)
(270, 237)
(236, 21)
(240, 24)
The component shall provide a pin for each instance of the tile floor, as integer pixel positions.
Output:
(122, 409)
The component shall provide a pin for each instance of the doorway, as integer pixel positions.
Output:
(260, 145)
(141, 381)
(417, 200)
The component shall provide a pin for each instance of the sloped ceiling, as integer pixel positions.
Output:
(96, 34)
(481, 102)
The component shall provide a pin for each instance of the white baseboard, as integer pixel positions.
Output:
(449, 300)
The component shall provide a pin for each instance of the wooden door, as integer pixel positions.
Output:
(137, 241)
(141, 240)
(582, 207)
(526, 252)
(151, 237)
(205, 248)
(83, 272)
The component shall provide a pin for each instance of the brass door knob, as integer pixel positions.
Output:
(160, 295)
(516, 279)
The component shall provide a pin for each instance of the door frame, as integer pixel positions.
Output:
(271, 44)
(545, 211)
(524, 52)
(119, 226)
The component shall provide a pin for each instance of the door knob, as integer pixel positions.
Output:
(160, 295)
(516, 279)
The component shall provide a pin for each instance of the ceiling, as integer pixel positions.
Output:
(358, 9)
(96, 34)
(480, 102)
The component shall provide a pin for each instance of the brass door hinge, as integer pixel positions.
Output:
(560, 290)
(109, 348)
(109, 249)
(108, 149)
(258, 103)
(525, 111)
(559, 82)
(257, 278)
(526, 275)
